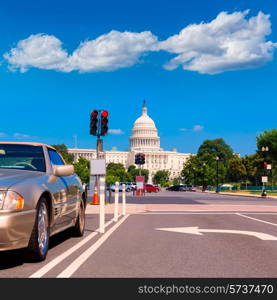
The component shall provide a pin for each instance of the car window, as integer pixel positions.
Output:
(55, 157)
(22, 157)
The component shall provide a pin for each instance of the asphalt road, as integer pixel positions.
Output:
(237, 237)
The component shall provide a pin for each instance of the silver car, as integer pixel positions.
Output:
(39, 196)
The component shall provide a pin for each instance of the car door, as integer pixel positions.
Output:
(68, 194)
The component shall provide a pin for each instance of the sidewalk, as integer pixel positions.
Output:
(131, 208)
(241, 194)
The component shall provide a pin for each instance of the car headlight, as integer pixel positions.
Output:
(2, 196)
(11, 200)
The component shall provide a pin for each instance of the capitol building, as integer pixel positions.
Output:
(144, 139)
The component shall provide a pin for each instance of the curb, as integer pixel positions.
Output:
(241, 195)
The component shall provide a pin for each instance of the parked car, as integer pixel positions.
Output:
(177, 187)
(128, 187)
(150, 188)
(39, 196)
(181, 187)
(190, 188)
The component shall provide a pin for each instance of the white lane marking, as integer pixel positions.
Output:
(61, 257)
(201, 213)
(198, 231)
(75, 265)
(258, 220)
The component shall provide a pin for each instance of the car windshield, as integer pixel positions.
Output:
(22, 157)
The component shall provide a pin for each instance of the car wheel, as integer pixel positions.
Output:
(128, 190)
(39, 240)
(156, 190)
(79, 227)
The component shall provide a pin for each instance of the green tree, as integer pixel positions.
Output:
(82, 169)
(111, 179)
(210, 149)
(62, 149)
(236, 170)
(118, 170)
(268, 138)
(208, 153)
(131, 168)
(252, 164)
(196, 171)
(161, 177)
(176, 181)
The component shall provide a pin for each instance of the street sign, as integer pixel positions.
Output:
(268, 167)
(97, 167)
(264, 179)
(139, 178)
(139, 185)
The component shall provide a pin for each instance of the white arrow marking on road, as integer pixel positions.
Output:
(197, 231)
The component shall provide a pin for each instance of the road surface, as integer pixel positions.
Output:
(233, 237)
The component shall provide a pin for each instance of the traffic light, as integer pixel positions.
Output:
(93, 122)
(104, 122)
(137, 159)
(140, 159)
(265, 165)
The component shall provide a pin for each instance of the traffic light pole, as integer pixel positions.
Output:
(98, 127)
(99, 148)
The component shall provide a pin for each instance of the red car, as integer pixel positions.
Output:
(150, 188)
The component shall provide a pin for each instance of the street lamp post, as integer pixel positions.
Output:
(193, 170)
(264, 151)
(203, 179)
(217, 187)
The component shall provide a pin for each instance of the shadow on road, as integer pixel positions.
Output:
(163, 199)
(13, 258)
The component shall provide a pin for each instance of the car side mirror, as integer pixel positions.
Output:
(65, 170)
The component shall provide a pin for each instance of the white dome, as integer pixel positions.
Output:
(144, 121)
(144, 133)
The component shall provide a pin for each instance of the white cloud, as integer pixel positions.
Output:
(116, 131)
(21, 136)
(106, 53)
(195, 128)
(111, 51)
(229, 42)
(40, 51)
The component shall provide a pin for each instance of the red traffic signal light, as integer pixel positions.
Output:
(94, 113)
(104, 113)
(93, 122)
(104, 122)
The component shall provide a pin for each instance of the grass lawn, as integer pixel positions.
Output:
(269, 193)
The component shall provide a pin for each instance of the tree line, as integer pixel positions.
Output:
(215, 162)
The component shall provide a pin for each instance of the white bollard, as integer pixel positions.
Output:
(116, 201)
(123, 199)
(102, 205)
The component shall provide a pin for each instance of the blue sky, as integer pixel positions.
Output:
(204, 83)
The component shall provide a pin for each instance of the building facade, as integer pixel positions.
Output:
(144, 139)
